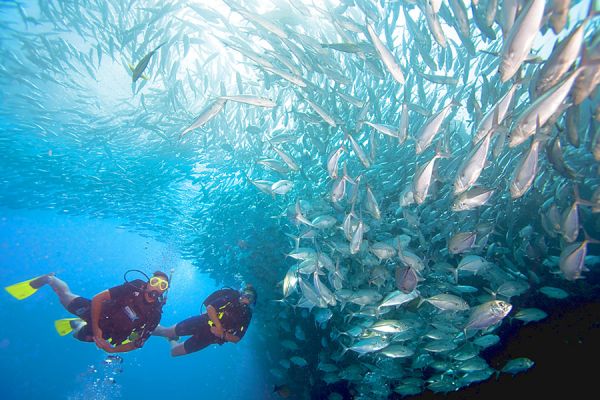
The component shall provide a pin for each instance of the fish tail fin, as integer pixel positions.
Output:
(576, 193)
(588, 238)
(490, 291)
(296, 239)
(578, 198)
(519, 77)
(346, 134)
(441, 152)
(348, 317)
(492, 53)
(347, 178)
(456, 102)
(344, 349)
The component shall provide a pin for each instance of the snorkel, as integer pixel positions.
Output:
(164, 295)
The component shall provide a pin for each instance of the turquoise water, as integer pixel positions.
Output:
(91, 255)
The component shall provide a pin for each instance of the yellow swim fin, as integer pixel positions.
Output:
(65, 326)
(22, 290)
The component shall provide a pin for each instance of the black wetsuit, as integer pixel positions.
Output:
(127, 312)
(234, 316)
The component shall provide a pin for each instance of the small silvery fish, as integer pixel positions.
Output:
(487, 314)
(517, 365)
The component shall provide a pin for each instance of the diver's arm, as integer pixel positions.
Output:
(97, 301)
(212, 314)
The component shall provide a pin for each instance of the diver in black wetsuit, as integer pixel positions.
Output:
(228, 314)
(118, 319)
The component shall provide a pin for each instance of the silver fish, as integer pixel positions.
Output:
(290, 281)
(371, 204)
(430, 128)
(382, 251)
(518, 43)
(397, 351)
(434, 23)
(525, 172)
(360, 153)
(446, 302)
(501, 107)
(472, 198)
(408, 258)
(323, 291)
(572, 260)
(462, 242)
(250, 99)
(471, 263)
(296, 80)
(531, 314)
(563, 56)
(385, 129)
(460, 14)
(569, 226)
(326, 117)
(368, 345)
(397, 298)
(487, 314)
(472, 166)
(422, 180)
(357, 238)
(282, 187)
(287, 159)
(517, 365)
(262, 185)
(206, 115)
(541, 110)
(386, 56)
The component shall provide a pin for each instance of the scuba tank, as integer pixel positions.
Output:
(224, 291)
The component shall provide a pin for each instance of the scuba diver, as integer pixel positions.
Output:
(118, 319)
(228, 314)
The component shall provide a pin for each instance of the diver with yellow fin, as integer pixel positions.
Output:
(118, 319)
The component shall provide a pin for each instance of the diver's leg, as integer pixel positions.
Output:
(82, 331)
(60, 288)
(177, 349)
(165, 331)
(186, 327)
(193, 344)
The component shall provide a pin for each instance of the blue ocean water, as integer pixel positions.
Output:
(92, 255)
